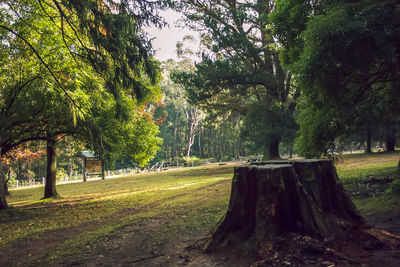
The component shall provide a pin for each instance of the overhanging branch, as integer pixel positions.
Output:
(44, 64)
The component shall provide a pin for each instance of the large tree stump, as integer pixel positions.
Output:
(277, 197)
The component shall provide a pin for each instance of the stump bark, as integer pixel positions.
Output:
(271, 198)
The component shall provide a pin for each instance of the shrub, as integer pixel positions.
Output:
(61, 174)
(192, 161)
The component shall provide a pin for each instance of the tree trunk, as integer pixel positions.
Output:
(201, 154)
(280, 197)
(6, 177)
(51, 171)
(6, 191)
(192, 125)
(173, 150)
(398, 170)
(390, 141)
(271, 149)
(368, 148)
(3, 201)
(19, 172)
(84, 174)
(188, 140)
(103, 173)
(189, 146)
(219, 144)
(69, 167)
(210, 144)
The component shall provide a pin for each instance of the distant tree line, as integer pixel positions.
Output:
(301, 77)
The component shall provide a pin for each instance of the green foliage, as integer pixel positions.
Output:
(142, 141)
(346, 61)
(61, 173)
(77, 68)
(67, 66)
(394, 188)
(281, 125)
(192, 161)
(240, 71)
(347, 50)
(318, 129)
(289, 20)
(180, 118)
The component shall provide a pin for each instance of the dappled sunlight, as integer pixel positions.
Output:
(134, 183)
(183, 185)
(50, 202)
(352, 161)
(104, 202)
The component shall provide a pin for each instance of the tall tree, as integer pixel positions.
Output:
(346, 59)
(178, 108)
(242, 69)
(59, 57)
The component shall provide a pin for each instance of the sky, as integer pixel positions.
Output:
(165, 40)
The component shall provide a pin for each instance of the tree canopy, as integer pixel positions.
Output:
(78, 68)
(345, 57)
(241, 70)
(77, 46)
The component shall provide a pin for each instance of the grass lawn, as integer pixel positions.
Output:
(356, 172)
(93, 209)
(149, 210)
(358, 166)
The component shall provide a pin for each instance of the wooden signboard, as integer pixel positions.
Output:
(93, 165)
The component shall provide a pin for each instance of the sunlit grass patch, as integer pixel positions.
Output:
(188, 213)
(358, 170)
(359, 166)
(379, 169)
(84, 203)
(359, 160)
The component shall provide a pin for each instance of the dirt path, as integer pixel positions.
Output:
(136, 245)
(145, 245)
